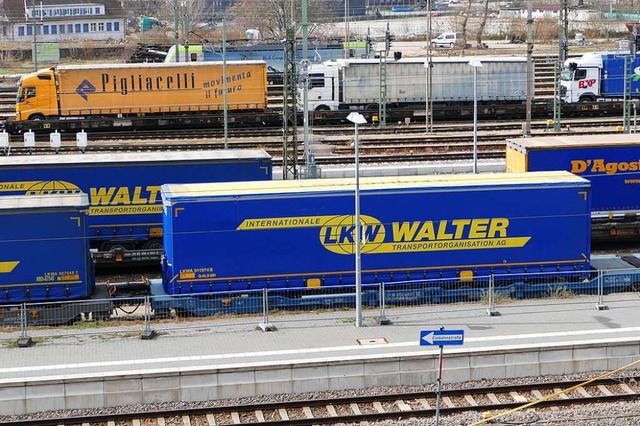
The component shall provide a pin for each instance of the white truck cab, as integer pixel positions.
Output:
(323, 83)
(580, 78)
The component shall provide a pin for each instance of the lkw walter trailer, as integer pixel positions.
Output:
(125, 221)
(234, 237)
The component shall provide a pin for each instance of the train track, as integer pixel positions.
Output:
(397, 143)
(392, 405)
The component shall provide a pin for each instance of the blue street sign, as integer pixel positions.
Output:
(441, 337)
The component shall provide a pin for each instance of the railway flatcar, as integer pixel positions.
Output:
(128, 91)
(125, 221)
(300, 234)
(44, 249)
(610, 162)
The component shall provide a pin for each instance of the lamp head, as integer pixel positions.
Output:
(356, 118)
(475, 63)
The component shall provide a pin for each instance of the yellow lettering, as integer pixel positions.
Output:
(498, 227)
(404, 231)
(460, 224)
(478, 228)
(578, 166)
(136, 196)
(101, 196)
(598, 166)
(153, 193)
(427, 232)
(122, 196)
(442, 231)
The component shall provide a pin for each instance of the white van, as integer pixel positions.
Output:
(446, 40)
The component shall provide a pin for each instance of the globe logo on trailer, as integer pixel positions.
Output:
(52, 187)
(338, 234)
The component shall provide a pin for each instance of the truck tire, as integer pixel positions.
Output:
(37, 117)
(587, 98)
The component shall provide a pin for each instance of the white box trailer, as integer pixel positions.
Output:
(356, 83)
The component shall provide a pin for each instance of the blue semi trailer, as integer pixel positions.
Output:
(125, 221)
(44, 249)
(300, 234)
(610, 162)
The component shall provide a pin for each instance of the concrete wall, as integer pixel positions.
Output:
(460, 365)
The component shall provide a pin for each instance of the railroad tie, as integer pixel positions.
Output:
(283, 414)
(307, 412)
(582, 391)
(471, 401)
(161, 421)
(186, 420)
(448, 402)
(211, 420)
(560, 393)
(236, 418)
(517, 397)
(424, 404)
(332, 411)
(403, 406)
(604, 390)
(111, 423)
(259, 415)
(136, 422)
(493, 398)
(537, 394)
(355, 409)
(626, 388)
(378, 406)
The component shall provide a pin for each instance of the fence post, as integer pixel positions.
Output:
(24, 341)
(148, 332)
(383, 320)
(600, 305)
(264, 325)
(491, 310)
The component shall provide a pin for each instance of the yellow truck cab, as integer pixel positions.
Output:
(37, 99)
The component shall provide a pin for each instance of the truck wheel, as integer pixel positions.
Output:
(37, 117)
(153, 244)
(587, 98)
(116, 246)
(322, 108)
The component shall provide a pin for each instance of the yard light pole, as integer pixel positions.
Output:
(356, 118)
(475, 64)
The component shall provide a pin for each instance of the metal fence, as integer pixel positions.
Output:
(383, 303)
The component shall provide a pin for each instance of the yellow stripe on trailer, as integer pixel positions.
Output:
(7, 267)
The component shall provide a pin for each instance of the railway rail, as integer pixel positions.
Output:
(396, 405)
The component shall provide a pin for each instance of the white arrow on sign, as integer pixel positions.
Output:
(431, 337)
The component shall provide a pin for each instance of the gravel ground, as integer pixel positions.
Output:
(618, 414)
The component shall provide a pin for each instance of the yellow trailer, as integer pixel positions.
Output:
(138, 90)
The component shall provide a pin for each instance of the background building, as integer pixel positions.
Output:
(64, 20)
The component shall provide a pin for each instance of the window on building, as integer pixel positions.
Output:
(69, 28)
(20, 31)
(108, 26)
(45, 29)
(85, 28)
(29, 30)
(61, 28)
(93, 27)
(54, 29)
(116, 26)
(97, 11)
(101, 26)
(78, 28)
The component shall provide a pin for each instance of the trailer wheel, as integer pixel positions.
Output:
(153, 244)
(117, 246)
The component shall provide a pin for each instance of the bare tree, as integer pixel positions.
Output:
(483, 23)
(273, 17)
(465, 20)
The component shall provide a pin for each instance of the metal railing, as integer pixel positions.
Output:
(383, 303)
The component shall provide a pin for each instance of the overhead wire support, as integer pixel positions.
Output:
(289, 110)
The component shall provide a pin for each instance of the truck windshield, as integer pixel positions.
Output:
(25, 93)
(566, 75)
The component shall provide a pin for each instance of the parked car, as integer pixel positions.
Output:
(446, 40)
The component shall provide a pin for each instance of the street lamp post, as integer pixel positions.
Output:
(356, 118)
(475, 64)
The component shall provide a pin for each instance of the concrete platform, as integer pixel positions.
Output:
(313, 352)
